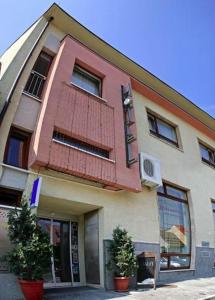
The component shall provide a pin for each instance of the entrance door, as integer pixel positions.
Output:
(64, 239)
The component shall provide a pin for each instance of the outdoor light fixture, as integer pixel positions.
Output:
(127, 101)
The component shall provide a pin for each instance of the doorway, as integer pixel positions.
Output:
(64, 268)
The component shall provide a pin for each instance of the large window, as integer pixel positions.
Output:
(86, 81)
(175, 234)
(162, 129)
(208, 155)
(38, 75)
(16, 152)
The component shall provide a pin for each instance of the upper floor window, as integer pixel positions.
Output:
(162, 129)
(175, 232)
(16, 152)
(80, 145)
(86, 81)
(38, 75)
(208, 155)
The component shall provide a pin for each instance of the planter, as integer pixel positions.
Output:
(32, 290)
(121, 284)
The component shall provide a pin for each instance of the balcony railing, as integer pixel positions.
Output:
(35, 84)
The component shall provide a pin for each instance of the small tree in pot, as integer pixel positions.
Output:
(30, 257)
(123, 259)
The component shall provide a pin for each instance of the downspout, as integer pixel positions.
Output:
(8, 100)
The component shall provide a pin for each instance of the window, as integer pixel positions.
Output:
(38, 75)
(213, 210)
(16, 152)
(10, 197)
(86, 81)
(175, 233)
(208, 155)
(162, 129)
(62, 138)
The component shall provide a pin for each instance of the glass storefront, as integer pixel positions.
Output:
(65, 260)
(175, 233)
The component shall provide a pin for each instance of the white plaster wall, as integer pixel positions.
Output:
(181, 167)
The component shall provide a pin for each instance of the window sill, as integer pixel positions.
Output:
(166, 142)
(84, 151)
(209, 165)
(31, 96)
(87, 92)
(177, 270)
(15, 168)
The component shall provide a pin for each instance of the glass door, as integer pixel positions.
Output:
(64, 238)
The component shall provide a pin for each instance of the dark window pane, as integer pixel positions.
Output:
(85, 81)
(204, 152)
(42, 64)
(213, 205)
(15, 152)
(172, 191)
(179, 261)
(166, 130)
(208, 155)
(80, 145)
(152, 123)
(163, 262)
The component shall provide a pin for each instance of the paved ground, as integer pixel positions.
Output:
(185, 290)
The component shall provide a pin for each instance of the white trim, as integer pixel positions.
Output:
(77, 86)
(31, 96)
(9, 207)
(65, 144)
(16, 168)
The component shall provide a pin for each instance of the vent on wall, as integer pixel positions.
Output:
(150, 170)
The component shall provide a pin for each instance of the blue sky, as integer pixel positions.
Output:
(173, 39)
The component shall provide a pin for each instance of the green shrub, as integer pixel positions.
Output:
(30, 257)
(123, 259)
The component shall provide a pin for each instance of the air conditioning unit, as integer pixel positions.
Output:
(150, 171)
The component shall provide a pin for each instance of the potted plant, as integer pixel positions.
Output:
(30, 257)
(123, 259)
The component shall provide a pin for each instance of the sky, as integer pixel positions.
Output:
(172, 39)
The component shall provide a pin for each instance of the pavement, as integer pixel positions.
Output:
(198, 289)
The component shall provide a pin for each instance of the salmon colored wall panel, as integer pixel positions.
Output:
(66, 103)
(79, 124)
(94, 120)
(77, 161)
(59, 156)
(108, 171)
(86, 117)
(107, 126)
(94, 167)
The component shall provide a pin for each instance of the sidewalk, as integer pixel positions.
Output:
(185, 290)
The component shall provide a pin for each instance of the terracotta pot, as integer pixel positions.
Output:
(32, 289)
(121, 284)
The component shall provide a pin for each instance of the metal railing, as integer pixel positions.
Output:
(35, 84)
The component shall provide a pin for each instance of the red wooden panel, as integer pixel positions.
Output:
(94, 120)
(107, 126)
(108, 171)
(59, 156)
(77, 161)
(93, 167)
(79, 125)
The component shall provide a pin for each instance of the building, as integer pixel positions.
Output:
(77, 113)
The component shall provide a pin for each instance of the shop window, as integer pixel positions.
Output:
(208, 155)
(175, 233)
(16, 152)
(38, 75)
(86, 81)
(80, 145)
(162, 129)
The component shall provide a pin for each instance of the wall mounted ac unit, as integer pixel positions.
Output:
(150, 171)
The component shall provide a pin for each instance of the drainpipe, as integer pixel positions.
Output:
(8, 100)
